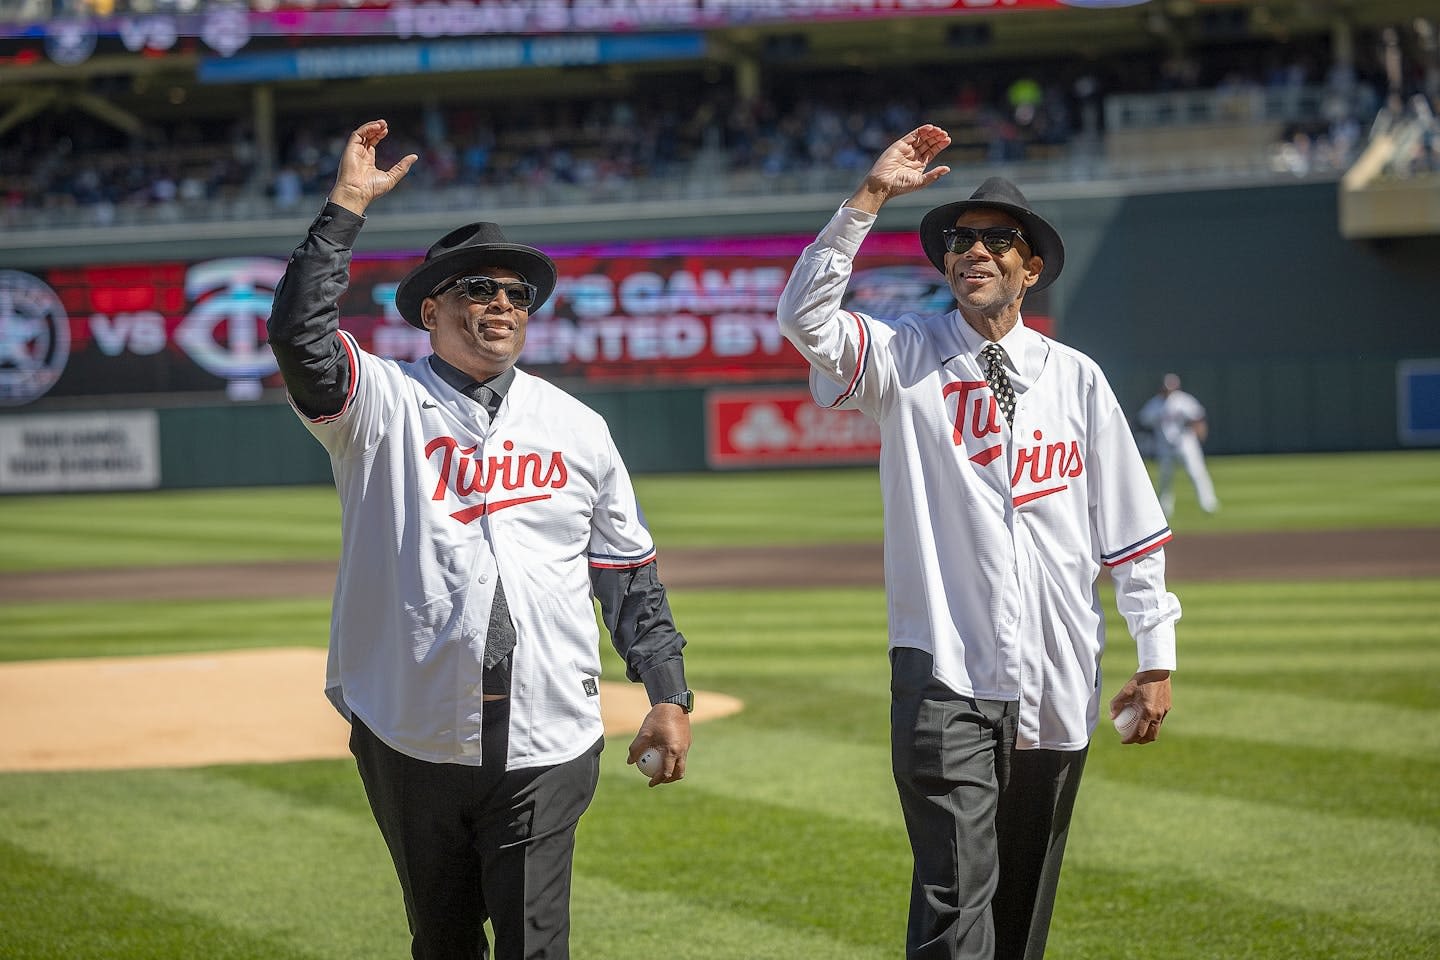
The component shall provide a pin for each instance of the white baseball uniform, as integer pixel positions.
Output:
(994, 537)
(538, 495)
(1172, 417)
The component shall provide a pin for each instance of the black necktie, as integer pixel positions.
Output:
(500, 638)
(999, 380)
(486, 397)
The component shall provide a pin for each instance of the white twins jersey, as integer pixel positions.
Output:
(994, 537)
(538, 496)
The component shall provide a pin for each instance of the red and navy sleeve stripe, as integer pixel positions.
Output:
(352, 358)
(610, 561)
(862, 359)
(1137, 549)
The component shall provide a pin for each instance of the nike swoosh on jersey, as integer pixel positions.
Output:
(474, 513)
(1028, 497)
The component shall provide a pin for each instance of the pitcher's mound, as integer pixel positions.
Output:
(239, 706)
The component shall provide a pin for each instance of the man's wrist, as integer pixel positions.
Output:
(685, 700)
(867, 198)
(664, 680)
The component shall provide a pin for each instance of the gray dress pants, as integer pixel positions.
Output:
(987, 823)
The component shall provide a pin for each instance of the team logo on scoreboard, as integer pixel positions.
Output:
(225, 331)
(34, 337)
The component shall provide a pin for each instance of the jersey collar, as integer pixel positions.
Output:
(466, 384)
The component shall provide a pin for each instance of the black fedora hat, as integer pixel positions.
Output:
(997, 193)
(468, 248)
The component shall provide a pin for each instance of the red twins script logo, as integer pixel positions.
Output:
(978, 415)
(467, 474)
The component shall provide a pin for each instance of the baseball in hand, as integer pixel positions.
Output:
(1127, 720)
(650, 763)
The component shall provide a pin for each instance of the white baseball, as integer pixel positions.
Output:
(650, 762)
(1127, 720)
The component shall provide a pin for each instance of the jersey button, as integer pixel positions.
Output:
(484, 578)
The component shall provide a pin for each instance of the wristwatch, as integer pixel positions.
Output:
(685, 700)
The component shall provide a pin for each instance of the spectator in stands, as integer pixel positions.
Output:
(95, 173)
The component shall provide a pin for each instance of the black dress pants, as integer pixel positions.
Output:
(477, 843)
(987, 823)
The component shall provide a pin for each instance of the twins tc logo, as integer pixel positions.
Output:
(1040, 468)
(465, 474)
(224, 332)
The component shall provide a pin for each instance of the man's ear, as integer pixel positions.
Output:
(1033, 268)
(427, 313)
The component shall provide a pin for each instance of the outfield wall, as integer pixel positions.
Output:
(1290, 334)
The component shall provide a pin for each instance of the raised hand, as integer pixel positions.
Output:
(901, 169)
(359, 182)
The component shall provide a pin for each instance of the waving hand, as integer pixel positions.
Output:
(359, 182)
(901, 169)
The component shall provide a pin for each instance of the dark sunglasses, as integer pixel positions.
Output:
(996, 239)
(484, 289)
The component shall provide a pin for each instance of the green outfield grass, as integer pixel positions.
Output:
(1290, 812)
(1335, 491)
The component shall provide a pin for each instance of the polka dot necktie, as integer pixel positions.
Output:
(999, 380)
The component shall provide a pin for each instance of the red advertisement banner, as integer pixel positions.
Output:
(783, 427)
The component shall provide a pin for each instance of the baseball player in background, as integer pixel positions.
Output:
(1010, 477)
(1177, 422)
(480, 509)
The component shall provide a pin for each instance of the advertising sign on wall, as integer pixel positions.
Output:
(80, 451)
(783, 427)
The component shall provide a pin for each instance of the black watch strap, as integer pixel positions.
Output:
(685, 699)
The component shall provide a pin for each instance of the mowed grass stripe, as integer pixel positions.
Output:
(1317, 492)
(38, 631)
(614, 922)
(60, 913)
(841, 877)
(1307, 776)
(1366, 641)
(237, 858)
(169, 527)
(1340, 723)
(1323, 605)
(1102, 914)
(816, 775)
(1372, 869)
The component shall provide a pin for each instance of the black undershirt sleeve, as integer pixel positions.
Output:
(635, 610)
(304, 324)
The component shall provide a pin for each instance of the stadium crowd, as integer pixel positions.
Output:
(71, 168)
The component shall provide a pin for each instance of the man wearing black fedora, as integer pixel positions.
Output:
(1010, 479)
(481, 510)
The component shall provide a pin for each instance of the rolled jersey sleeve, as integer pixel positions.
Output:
(1148, 608)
